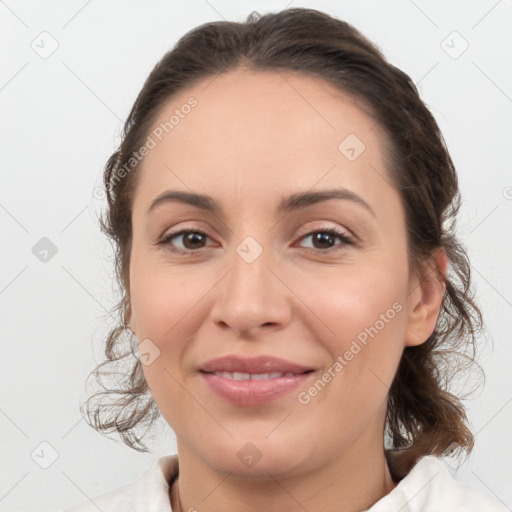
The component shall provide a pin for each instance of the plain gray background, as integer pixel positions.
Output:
(61, 118)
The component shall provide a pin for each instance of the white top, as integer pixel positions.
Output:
(428, 487)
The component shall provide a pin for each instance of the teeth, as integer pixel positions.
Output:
(265, 376)
(238, 376)
(253, 376)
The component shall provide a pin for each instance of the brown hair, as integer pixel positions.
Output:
(423, 416)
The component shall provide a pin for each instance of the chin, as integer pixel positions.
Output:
(253, 458)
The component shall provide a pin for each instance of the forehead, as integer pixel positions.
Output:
(255, 106)
(251, 131)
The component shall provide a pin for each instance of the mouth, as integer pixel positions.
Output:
(261, 367)
(246, 382)
(255, 376)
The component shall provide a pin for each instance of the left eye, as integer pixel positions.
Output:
(327, 236)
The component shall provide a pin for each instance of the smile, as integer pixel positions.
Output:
(253, 389)
(252, 376)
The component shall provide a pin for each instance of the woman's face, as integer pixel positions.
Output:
(260, 279)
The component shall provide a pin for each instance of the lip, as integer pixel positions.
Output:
(260, 364)
(253, 392)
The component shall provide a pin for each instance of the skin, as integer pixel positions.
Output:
(297, 300)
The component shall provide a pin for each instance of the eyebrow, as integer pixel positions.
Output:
(290, 203)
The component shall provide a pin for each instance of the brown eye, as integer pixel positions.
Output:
(325, 239)
(191, 241)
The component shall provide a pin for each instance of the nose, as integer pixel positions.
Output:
(252, 298)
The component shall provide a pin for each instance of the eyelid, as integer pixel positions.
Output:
(323, 226)
(187, 228)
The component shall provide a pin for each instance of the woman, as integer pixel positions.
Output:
(283, 206)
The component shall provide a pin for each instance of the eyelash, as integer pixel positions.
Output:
(342, 236)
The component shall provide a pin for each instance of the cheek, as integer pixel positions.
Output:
(164, 304)
(168, 310)
(164, 298)
(361, 320)
(349, 300)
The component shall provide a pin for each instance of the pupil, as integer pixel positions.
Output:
(193, 238)
(323, 237)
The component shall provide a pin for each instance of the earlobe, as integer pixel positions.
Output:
(426, 300)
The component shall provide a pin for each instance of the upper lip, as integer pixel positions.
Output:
(260, 364)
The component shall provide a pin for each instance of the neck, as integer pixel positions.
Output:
(352, 483)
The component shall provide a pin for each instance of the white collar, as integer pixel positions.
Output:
(428, 487)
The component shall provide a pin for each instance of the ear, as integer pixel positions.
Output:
(426, 298)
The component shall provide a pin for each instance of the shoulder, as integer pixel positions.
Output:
(149, 492)
(429, 487)
(118, 499)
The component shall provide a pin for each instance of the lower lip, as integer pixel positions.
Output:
(254, 392)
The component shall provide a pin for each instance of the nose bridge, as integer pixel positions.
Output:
(250, 295)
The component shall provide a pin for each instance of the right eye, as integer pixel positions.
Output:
(190, 241)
